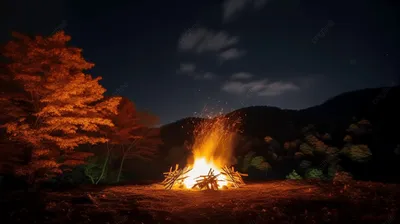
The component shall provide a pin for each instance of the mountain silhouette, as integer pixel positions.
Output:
(378, 105)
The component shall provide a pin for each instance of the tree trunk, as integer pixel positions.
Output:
(104, 165)
(91, 179)
(120, 167)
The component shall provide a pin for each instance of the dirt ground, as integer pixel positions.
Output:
(270, 202)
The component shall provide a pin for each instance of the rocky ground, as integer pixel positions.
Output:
(270, 202)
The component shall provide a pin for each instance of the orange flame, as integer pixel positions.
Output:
(212, 149)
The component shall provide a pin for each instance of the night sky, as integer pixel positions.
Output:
(176, 57)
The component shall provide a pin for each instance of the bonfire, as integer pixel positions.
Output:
(209, 169)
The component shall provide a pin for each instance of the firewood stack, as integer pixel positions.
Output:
(209, 181)
(233, 177)
(175, 176)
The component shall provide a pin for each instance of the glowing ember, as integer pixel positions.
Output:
(200, 168)
(211, 156)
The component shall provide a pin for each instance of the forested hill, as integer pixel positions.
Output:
(378, 105)
(342, 119)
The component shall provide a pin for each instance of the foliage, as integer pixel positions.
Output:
(315, 155)
(265, 166)
(318, 145)
(306, 149)
(294, 176)
(247, 161)
(268, 139)
(257, 162)
(357, 140)
(12, 98)
(93, 169)
(342, 177)
(353, 128)
(64, 107)
(318, 158)
(134, 134)
(332, 150)
(133, 131)
(357, 153)
(327, 137)
(347, 139)
(314, 174)
(358, 130)
(292, 145)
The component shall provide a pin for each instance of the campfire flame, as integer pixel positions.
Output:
(201, 167)
(212, 154)
(212, 149)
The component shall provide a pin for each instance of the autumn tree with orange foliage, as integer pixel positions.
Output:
(66, 106)
(133, 136)
(12, 106)
(134, 133)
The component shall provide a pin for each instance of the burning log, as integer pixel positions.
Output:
(209, 181)
(234, 177)
(175, 176)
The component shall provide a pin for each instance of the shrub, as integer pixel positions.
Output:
(247, 161)
(314, 174)
(306, 149)
(257, 162)
(268, 139)
(294, 176)
(342, 177)
(347, 139)
(357, 153)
